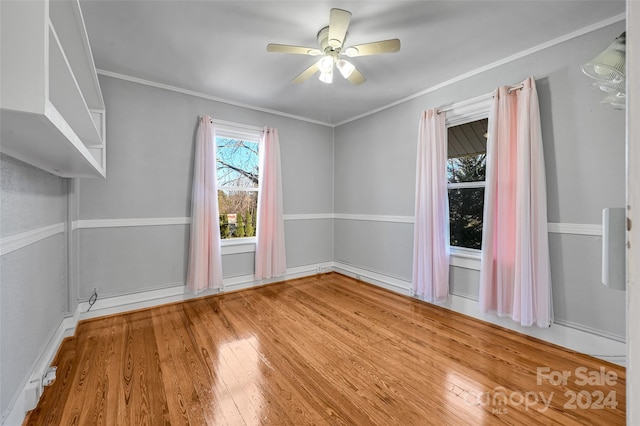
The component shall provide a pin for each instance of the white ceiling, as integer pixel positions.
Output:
(218, 48)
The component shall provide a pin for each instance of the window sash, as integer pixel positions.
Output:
(464, 230)
(244, 132)
(239, 188)
(465, 185)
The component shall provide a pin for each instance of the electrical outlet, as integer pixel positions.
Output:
(49, 376)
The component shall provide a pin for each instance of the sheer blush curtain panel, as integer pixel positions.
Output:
(205, 254)
(270, 258)
(431, 228)
(515, 276)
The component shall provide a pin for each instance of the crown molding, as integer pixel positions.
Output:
(202, 95)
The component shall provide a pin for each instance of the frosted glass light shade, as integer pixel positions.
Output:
(325, 64)
(607, 87)
(327, 77)
(345, 67)
(615, 100)
(609, 65)
(603, 86)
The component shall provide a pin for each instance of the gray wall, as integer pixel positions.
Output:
(584, 155)
(150, 138)
(33, 279)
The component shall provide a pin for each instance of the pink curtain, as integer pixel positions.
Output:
(431, 229)
(270, 253)
(515, 277)
(205, 257)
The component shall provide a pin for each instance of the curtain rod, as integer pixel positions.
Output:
(516, 87)
(236, 125)
(459, 104)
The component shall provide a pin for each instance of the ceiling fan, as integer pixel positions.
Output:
(331, 40)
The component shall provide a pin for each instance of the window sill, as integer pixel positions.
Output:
(465, 258)
(238, 245)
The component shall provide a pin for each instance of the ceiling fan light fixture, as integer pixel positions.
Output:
(609, 65)
(332, 46)
(602, 86)
(327, 76)
(615, 100)
(325, 64)
(351, 51)
(607, 87)
(345, 67)
(608, 69)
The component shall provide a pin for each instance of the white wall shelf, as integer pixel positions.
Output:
(52, 111)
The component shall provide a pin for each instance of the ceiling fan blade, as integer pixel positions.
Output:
(356, 78)
(338, 24)
(298, 50)
(375, 48)
(306, 74)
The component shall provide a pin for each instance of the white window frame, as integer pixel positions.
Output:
(226, 129)
(456, 114)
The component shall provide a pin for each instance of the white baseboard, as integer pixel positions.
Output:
(396, 285)
(21, 401)
(178, 292)
(571, 337)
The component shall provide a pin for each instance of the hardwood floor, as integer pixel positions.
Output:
(320, 350)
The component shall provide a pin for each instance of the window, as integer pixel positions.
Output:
(238, 180)
(466, 166)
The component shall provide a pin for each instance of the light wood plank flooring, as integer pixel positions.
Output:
(320, 350)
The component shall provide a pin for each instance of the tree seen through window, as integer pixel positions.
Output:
(237, 177)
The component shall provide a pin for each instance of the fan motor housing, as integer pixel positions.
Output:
(323, 41)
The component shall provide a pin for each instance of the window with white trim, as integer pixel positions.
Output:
(238, 177)
(466, 166)
(467, 126)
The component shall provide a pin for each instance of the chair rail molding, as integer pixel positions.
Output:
(554, 227)
(23, 239)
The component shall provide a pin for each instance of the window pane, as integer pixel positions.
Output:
(237, 163)
(237, 213)
(465, 217)
(467, 139)
(467, 169)
(466, 151)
